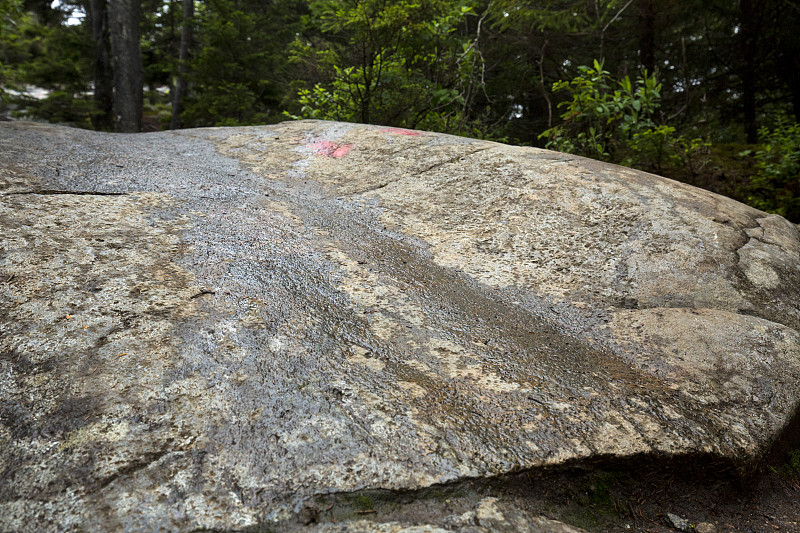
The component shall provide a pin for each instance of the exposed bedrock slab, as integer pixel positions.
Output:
(213, 328)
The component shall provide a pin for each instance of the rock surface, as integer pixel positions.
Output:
(213, 329)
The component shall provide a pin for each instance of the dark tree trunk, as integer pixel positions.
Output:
(647, 35)
(747, 28)
(103, 119)
(788, 46)
(128, 76)
(183, 58)
(364, 105)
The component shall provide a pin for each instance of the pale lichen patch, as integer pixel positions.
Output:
(414, 389)
(361, 356)
(97, 432)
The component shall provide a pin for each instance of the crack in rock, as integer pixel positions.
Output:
(50, 192)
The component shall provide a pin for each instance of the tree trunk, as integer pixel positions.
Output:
(128, 76)
(747, 27)
(647, 35)
(103, 119)
(183, 69)
(787, 20)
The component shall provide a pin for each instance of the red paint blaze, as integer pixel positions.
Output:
(330, 148)
(342, 150)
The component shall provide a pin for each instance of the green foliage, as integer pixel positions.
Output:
(775, 185)
(563, 16)
(54, 58)
(399, 63)
(659, 149)
(238, 62)
(160, 40)
(10, 13)
(323, 104)
(64, 107)
(60, 58)
(615, 121)
(602, 116)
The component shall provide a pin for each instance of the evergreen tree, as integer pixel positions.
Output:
(238, 71)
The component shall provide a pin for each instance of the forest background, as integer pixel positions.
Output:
(703, 91)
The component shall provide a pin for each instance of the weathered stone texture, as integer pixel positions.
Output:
(213, 328)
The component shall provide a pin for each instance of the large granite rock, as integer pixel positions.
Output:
(218, 328)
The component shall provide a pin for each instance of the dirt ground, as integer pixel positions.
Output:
(614, 501)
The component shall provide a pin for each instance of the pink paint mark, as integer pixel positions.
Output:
(401, 131)
(342, 150)
(330, 148)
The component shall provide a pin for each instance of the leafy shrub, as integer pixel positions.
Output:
(775, 186)
(599, 120)
(660, 150)
(615, 121)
